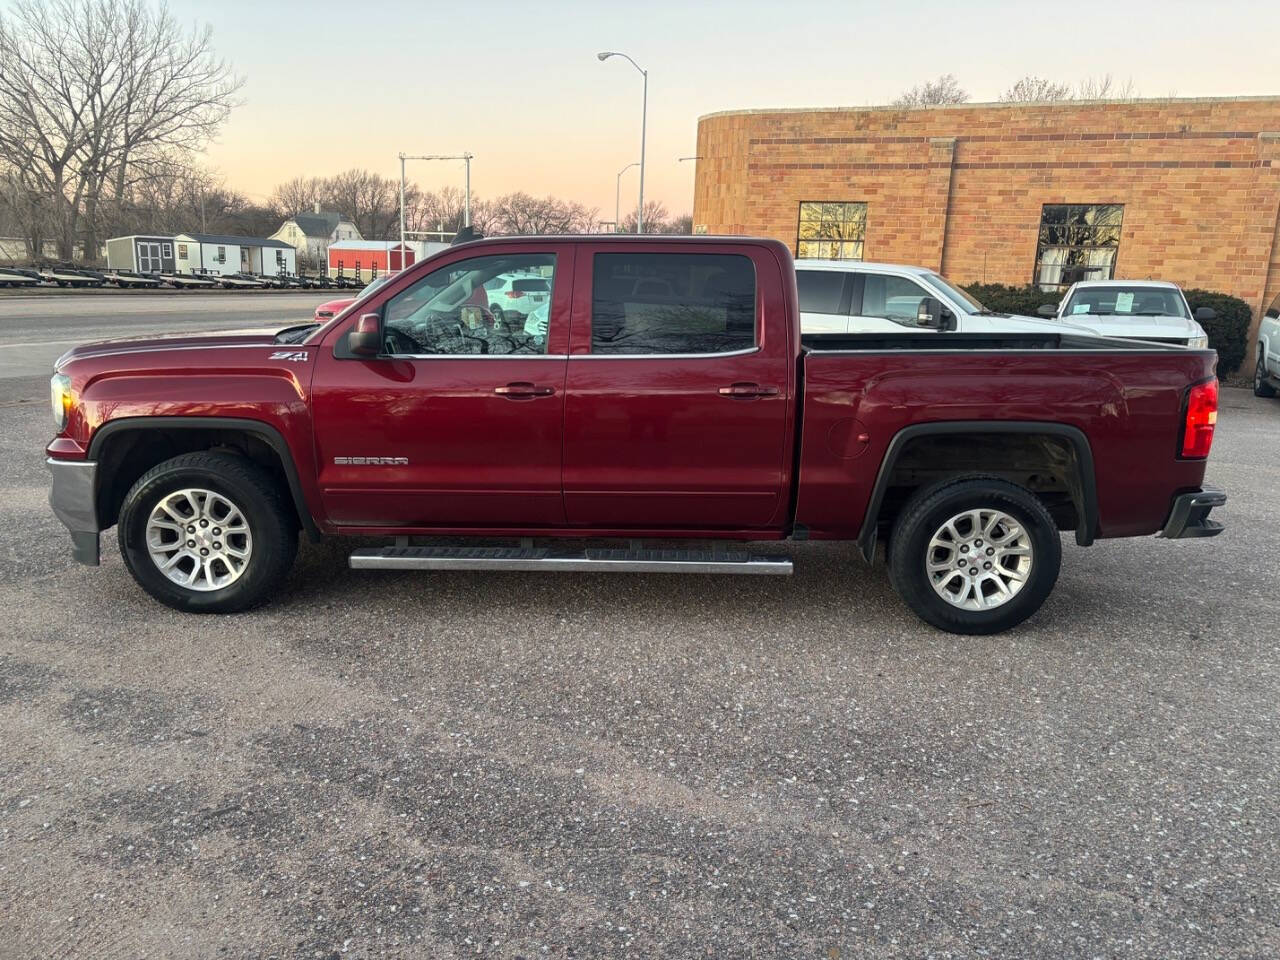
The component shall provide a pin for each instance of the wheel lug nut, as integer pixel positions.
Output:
(204, 523)
(985, 566)
(204, 552)
(977, 543)
(964, 549)
(991, 551)
(216, 531)
(191, 528)
(191, 543)
(218, 546)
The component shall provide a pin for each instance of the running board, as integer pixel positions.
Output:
(599, 560)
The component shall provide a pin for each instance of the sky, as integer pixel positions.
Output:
(331, 85)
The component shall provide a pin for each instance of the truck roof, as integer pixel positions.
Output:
(865, 265)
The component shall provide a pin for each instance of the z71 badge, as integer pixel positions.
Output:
(297, 356)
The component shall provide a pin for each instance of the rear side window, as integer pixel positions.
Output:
(672, 303)
(531, 286)
(820, 290)
(1274, 312)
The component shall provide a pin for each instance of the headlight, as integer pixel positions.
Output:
(60, 398)
(1198, 343)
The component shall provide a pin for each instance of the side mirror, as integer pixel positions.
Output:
(932, 314)
(365, 339)
(1205, 313)
(1047, 310)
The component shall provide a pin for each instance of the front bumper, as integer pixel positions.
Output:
(72, 497)
(1189, 516)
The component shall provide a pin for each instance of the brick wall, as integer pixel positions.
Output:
(961, 188)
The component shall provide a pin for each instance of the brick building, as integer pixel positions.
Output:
(1182, 190)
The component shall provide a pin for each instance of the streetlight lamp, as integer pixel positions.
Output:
(683, 159)
(644, 116)
(617, 198)
(466, 202)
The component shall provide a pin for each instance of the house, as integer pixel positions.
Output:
(373, 258)
(141, 253)
(211, 253)
(311, 233)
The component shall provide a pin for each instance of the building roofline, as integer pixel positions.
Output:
(1064, 104)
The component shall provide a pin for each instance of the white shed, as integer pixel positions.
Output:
(212, 253)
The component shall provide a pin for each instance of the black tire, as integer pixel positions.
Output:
(929, 510)
(1261, 386)
(268, 514)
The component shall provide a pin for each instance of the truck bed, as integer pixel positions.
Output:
(948, 342)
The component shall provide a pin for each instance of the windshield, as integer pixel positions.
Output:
(943, 285)
(1122, 301)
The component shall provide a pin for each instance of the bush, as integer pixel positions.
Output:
(1228, 331)
(1006, 299)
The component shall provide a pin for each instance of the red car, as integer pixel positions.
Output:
(669, 396)
(331, 308)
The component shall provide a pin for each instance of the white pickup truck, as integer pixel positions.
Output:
(1266, 373)
(1133, 310)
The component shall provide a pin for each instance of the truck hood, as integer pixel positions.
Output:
(1137, 328)
(107, 348)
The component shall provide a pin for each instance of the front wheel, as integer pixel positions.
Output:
(974, 555)
(1261, 384)
(207, 533)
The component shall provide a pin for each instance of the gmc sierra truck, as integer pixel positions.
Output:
(665, 397)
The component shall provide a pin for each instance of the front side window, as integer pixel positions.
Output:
(1126, 301)
(820, 290)
(1274, 311)
(672, 303)
(450, 311)
(831, 231)
(958, 293)
(1077, 242)
(892, 298)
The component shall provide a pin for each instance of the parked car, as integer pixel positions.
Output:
(668, 408)
(1266, 370)
(1132, 310)
(512, 296)
(851, 296)
(331, 308)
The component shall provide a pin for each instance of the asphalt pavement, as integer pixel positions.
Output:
(529, 765)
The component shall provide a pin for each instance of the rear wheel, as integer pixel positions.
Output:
(1261, 385)
(974, 555)
(207, 533)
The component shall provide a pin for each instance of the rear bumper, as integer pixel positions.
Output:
(73, 501)
(1189, 516)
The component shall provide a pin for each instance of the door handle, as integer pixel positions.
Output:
(522, 390)
(748, 391)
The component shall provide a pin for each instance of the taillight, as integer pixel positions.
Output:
(1202, 417)
(515, 294)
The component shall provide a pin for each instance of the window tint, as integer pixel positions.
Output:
(664, 303)
(820, 290)
(892, 298)
(450, 311)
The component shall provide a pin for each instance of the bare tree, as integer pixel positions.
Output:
(299, 195)
(1032, 89)
(369, 200)
(655, 218)
(520, 213)
(946, 89)
(1106, 87)
(97, 95)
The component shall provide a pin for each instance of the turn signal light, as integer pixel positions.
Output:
(1202, 417)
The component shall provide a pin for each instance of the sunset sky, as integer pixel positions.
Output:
(335, 85)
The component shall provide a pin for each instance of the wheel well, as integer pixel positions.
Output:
(127, 454)
(1053, 466)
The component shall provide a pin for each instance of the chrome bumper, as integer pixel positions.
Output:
(1190, 514)
(73, 502)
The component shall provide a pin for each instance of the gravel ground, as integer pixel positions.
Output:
(459, 765)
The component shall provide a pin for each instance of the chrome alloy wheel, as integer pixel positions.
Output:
(199, 539)
(979, 559)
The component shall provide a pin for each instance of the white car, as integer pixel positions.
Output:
(1133, 310)
(1266, 371)
(850, 296)
(517, 294)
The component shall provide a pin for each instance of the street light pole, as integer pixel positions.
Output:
(644, 119)
(617, 198)
(402, 253)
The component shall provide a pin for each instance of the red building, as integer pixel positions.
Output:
(366, 259)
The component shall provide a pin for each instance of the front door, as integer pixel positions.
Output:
(459, 424)
(149, 260)
(678, 403)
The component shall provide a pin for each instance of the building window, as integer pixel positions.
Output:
(831, 231)
(279, 258)
(182, 251)
(167, 250)
(1077, 242)
(222, 255)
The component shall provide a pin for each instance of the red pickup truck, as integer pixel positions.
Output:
(666, 395)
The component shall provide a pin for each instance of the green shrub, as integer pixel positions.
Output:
(1003, 298)
(1228, 331)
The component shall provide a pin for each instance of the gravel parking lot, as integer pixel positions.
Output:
(528, 765)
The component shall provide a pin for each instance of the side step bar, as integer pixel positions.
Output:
(591, 560)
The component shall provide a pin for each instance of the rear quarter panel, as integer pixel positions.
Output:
(1128, 404)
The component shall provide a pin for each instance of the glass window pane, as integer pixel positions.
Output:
(892, 298)
(820, 290)
(807, 249)
(454, 311)
(672, 303)
(810, 211)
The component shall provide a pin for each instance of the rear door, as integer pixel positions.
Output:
(459, 424)
(678, 392)
(824, 300)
